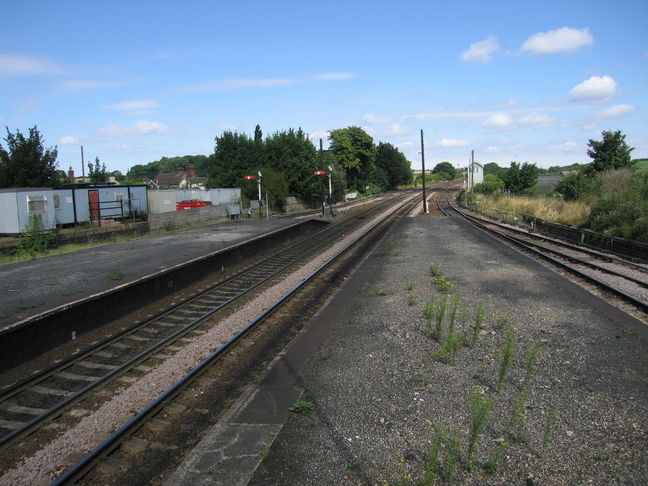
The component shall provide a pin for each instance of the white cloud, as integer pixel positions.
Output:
(226, 126)
(133, 105)
(141, 127)
(317, 134)
(537, 120)
(332, 76)
(78, 85)
(69, 140)
(492, 149)
(563, 40)
(481, 51)
(498, 121)
(241, 83)
(616, 110)
(371, 118)
(23, 65)
(596, 88)
(396, 130)
(452, 142)
(509, 103)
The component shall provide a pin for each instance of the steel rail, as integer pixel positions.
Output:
(124, 367)
(630, 298)
(111, 443)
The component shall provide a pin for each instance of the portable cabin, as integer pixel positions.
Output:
(94, 202)
(21, 207)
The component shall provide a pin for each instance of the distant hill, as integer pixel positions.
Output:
(641, 164)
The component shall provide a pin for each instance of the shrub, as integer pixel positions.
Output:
(622, 209)
(35, 239)
(574, 186)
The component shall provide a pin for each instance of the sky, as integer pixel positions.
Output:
(131, 82)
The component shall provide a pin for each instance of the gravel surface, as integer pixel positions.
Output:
(376, 384)
(50, 461)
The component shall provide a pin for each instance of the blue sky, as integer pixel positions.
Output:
(134, 81)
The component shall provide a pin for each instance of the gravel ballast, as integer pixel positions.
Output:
(377, 385)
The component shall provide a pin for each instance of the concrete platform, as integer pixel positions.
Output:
(367, 366)
(82, 289)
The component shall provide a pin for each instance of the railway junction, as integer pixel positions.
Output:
(373, 385)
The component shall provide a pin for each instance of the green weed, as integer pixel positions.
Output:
(303, 406)
(440, 316)
(115, 275)
(479, 324)
(480, 409)
(436, 269)
(506, 354)
(549, 425)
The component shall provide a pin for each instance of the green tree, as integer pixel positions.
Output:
(610, 153)
(353, 149)
(394, 164)
(517, 178)
(493, 168)
(446, 170)
(97, 171)
(291, 153)
(274, 185)
(574, 186)
(491, 185)
(26, 162)
(235, 156)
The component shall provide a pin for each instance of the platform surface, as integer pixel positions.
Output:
(32, 287)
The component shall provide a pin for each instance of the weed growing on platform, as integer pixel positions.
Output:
(115, 275)
(506, 354)
(480, 409)
(303, 406)
(493, 464)
(443, 284)
(410, 286)
(502, 321)
(390, 244)
(550, 423)
(429, 310)
(440, 316)
(479, 324)
(446, 466)
(517, 423)
(411, 300)
(436, 269)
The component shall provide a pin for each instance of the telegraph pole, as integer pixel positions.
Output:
(425, 208)
(82, 165)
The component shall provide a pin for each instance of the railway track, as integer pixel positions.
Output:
(55, 393)
(620, 277)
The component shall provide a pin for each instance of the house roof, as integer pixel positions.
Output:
(170, 178)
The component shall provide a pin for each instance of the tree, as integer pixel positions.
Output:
(610, 153)
(446, 170)
(574, 186)
(353, 150)
(517, 178)
(26, 163)
(493, 168)
(394, 164)
(291, 153)
(491, 185)
(235, 155)
(274, 185)
(97, 171)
